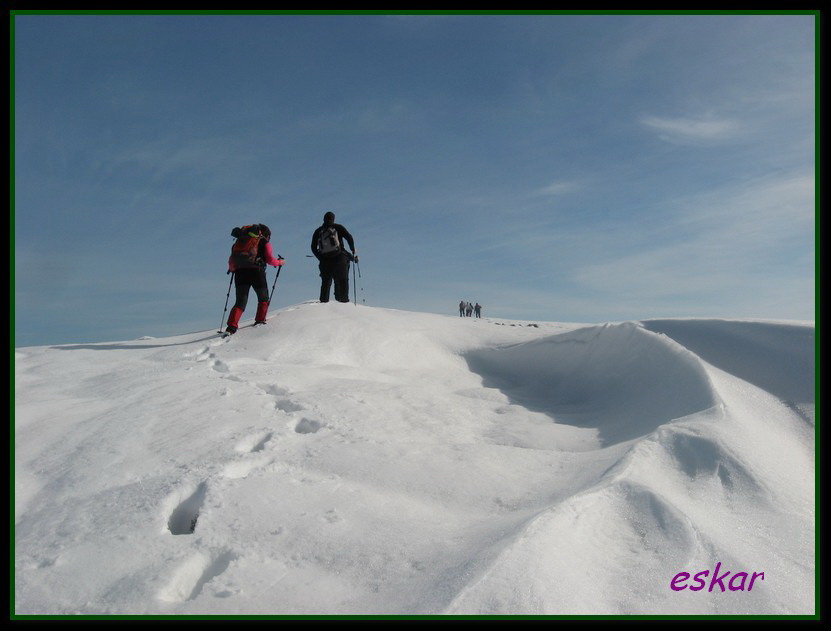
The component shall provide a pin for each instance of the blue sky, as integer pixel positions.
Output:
(574, 168)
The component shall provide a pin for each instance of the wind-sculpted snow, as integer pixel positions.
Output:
(700, 487)
(621, 380)
(776, 356)
(354, 460)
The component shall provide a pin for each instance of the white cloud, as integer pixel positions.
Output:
(724, 241)
(691, 129)
(557, 188)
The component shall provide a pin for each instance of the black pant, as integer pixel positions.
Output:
(334, 269)
(244, 280)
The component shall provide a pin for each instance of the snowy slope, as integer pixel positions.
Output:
(354, 460)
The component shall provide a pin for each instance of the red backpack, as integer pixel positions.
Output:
(245, 251)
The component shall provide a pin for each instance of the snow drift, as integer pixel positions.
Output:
(353, 460)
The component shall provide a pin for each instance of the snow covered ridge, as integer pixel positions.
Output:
(346, 459)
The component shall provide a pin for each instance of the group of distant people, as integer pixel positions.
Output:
(467, 309)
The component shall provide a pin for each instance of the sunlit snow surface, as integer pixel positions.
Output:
(347, 459)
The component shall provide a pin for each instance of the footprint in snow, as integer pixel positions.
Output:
(183, 518)
(241, 469)
(308, 426)
(219, 365)
(201, 355)
(194, 573)
(287, 405)
(253, 443)
(273, 390)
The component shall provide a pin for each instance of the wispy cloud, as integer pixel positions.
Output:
(362, 115)
(716, 244)
(556, 189)
(692, 130)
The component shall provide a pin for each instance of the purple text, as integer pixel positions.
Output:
(738, 582)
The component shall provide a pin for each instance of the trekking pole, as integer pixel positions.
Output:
(274, 284)
(354, 284)
(357, 265)
(228, 295)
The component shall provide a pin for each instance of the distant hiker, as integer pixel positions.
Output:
(468, 310)
(477, 309)
(249, 256)
(462, 306)
(328, 247)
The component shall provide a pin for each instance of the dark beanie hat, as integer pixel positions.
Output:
(329, 217)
